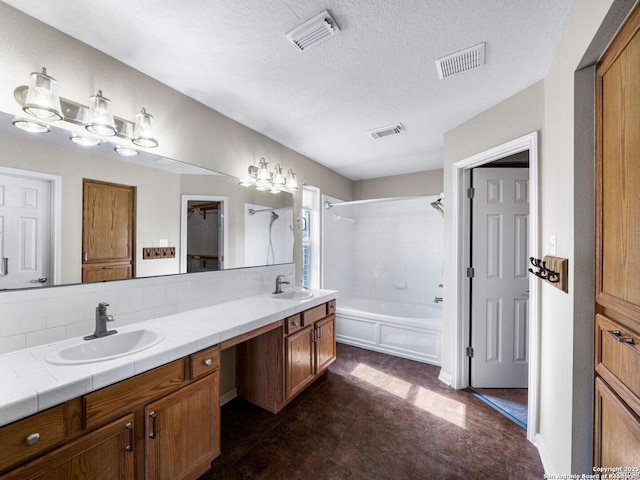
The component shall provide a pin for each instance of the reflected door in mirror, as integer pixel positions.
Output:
(25, 231)
(107, 231)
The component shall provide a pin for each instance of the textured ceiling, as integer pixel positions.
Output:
(379, 70)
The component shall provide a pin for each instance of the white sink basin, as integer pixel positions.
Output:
(106, 348)
(292, 295)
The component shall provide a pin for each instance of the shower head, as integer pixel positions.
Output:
(274, 216)
(438, 206)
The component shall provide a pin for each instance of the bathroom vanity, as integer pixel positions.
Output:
(164, 422)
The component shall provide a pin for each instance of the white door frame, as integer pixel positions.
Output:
(56, 208)
(184, 216)
(462, 245)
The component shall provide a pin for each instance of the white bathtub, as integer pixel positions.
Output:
(406, 330)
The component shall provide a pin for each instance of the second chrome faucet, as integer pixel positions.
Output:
(101, 323)
(279, 283)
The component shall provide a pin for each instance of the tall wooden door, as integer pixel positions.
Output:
(500, 285)
(617, 335)
(108, 222)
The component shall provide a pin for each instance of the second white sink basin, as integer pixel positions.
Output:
(292, 295)
(106, 348)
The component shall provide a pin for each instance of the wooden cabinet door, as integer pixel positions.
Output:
(183, 431)
(107, 228)
(325, 343)
(104, 454)
(300, 368)
(617, 430)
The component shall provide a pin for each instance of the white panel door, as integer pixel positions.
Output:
(500, 286)
(25, 232)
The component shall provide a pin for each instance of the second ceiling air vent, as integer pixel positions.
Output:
(313, 31)
(462, 61)
(386, 131)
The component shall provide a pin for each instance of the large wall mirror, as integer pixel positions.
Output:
(65, 208)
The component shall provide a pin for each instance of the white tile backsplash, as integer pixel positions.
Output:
(40, 316)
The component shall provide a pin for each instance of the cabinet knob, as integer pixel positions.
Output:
(32, 439)
(208, 362)
(295, 324)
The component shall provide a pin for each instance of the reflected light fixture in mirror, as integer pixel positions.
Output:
(126, 152)
(143, 132)
(262, 179)
(101, 121)
(42, 100)
(84, 140)
(30, 126)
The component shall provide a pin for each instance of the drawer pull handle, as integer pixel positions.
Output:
(129, 426)
(153, 416)
(32, 439)
(619, 338)
(208, 362)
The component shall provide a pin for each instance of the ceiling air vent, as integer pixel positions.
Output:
(467, 59)
(386, 131)
(313, 31)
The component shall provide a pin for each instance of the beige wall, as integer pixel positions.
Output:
(429, 182)
(564, 433)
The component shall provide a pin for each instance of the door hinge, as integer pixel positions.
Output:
(471, 192)
(470, 352)
(471, 272)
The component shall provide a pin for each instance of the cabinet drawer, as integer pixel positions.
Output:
(205, 361)
(113, 401)
(618, 359)
(26, 438)
(293, 324)
(331, 307)
(314, 314)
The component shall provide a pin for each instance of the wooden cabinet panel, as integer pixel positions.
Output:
(114, 400)
(27, 438)
(260, 370)
(183, 431)
(325, 343)
(104, 454)
(105, 273)
(204, 362)
(314, 314)
(617, 430)
(300, 360)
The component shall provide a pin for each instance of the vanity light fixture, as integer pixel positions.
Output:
(125, 151)
(275, 182)
(84, 140)
(101, 121)
(30, 126)
(42, 100)
(143, 132)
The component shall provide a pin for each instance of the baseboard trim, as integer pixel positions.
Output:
(228, 396)
(544, 456)
(444, 377)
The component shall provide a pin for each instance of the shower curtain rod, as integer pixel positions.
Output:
(251, 211)
(328, 205)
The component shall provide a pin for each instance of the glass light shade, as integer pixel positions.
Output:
(292, 182)
(126, 152)
(263, 172)
(42, 100)
(250, 179)
(101, 120)
(84, 140)
(262, 185)
(278, 180)
(30, 126)
(143, 131)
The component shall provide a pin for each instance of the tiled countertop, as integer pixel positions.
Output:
(29, 384)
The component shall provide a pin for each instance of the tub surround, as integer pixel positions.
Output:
(31, 385)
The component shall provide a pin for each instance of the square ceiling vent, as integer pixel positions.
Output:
(313, 32)
(462, 61)
(386, 131)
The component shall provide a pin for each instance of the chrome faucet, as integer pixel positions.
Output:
(101, 323)
(438, 300)
(279, 283)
